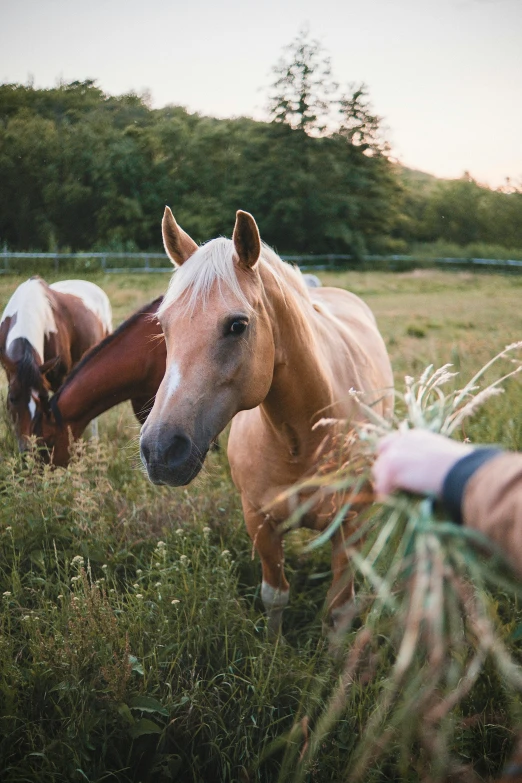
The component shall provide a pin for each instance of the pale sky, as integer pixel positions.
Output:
(446, 75)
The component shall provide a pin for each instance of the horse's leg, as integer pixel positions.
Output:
(94, 428)
(269, 545)
(341, 592)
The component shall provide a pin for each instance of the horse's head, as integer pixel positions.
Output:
(28, 390)
(53, 437)
(220, 348)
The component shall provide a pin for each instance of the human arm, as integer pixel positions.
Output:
(480, 487)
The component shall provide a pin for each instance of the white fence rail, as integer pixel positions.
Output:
(112, 263)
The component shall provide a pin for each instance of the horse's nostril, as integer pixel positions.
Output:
(145, 452)
(178, 451)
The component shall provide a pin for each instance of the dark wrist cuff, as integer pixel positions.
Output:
(459, 475)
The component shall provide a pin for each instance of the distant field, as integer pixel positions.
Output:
(204, 696)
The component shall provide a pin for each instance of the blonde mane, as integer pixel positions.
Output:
(213, 264)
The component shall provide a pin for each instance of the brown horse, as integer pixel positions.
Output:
(44, 332)
(261, 348)
(129, 364)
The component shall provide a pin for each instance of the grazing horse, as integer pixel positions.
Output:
(128, 364)
(44, 331)
(261, 349)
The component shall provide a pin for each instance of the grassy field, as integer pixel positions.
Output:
(133, 645)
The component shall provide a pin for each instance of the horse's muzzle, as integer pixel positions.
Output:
(174, 461)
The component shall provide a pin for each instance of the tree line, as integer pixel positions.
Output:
(84, 170)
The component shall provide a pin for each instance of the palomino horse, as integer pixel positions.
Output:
(128, 364)
(263, 350)
(44, 331)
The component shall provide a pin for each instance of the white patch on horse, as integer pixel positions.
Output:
(92, 297)
(32, 404)
(174, 379)
(34, 316)
(273, 599)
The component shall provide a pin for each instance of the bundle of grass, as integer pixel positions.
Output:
(429, 655)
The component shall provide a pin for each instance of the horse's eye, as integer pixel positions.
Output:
(237, 326)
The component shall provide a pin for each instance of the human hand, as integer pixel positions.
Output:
(416, 460)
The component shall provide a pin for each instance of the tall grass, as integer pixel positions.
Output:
(437, 611)
(104, 678)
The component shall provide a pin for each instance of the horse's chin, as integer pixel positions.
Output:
(162, 475)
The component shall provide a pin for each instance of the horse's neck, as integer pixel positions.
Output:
(115, 373)
(301, 391)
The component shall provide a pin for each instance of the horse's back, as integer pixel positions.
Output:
(352, 344)
(92, 296)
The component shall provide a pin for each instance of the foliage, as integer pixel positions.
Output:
(304, 87)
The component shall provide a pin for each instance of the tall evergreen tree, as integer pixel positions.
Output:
(302, 92)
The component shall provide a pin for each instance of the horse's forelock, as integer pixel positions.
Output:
(28, 372)
(214, 264)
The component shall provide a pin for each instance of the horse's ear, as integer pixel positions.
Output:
(47, 367)
(247, 241)
(178, 245)
(7, 363)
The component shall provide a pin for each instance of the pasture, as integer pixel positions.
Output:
(133, 644)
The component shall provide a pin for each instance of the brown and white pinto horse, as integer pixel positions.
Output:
(44, 331)
(254, 344)
(129, 364)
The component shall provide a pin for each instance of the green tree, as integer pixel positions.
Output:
(302, 92)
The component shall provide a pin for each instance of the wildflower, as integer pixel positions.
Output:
(206, 530)
(157, 584)
(161, 545)
(179, 531)
(139, 595)
(26, 617)
(8, 529)
(75, 578)
(136, 586)
(60, 596)
(157, 565)
(77, 561)
(225, 553)
(175, 601)
(105, 567)
(139, 572)
(75, 598)
(7, 593)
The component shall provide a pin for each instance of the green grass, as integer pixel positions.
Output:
(104, 678)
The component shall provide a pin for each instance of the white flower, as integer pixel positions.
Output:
(225, 553)
(77, 560)
(139, 595)
(157, 565)
(161, 545)
(60, 596)
(136, 586)
(175, 601)
(105, 566)
(139, 572)
(7, 593)
(27, 617)
(179, 531)
(206, 530)
(157, 584)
